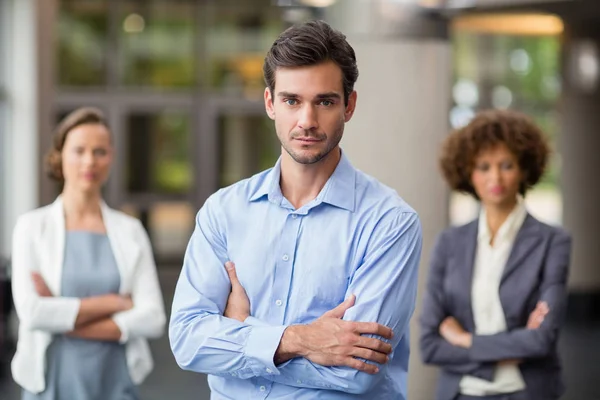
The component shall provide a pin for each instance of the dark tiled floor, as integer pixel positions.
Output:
(580, 349)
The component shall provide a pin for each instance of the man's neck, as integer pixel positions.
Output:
(300, 183)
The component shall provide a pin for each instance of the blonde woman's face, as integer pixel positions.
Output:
(87, 156)
(496, 176)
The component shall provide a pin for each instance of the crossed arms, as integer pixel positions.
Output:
(445, 343)
(111, 317)
(205, 340)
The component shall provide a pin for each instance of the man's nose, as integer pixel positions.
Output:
(308, 118)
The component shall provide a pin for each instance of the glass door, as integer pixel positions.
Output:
(157, 175)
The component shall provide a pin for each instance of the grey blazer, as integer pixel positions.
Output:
(536, 269)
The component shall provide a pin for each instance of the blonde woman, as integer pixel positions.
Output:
(85, 285)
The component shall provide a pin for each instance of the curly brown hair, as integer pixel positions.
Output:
(81, 116)
(486, 130)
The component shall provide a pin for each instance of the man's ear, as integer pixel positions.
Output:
(269, 103)
(349, 112)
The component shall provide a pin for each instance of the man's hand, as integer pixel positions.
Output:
(238, 304)
(451, 330)
(331, 341)
(40, 285)
(537, 316)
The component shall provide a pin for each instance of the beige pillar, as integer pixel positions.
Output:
(403, 95)
(26, 78)
(579, 148)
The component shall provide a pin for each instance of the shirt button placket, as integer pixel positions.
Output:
(284, 274)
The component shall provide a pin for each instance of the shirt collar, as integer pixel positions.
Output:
(509, 228)
(339, 190)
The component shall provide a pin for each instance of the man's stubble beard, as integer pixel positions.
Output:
(308, 160)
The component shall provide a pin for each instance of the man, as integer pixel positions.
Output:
(304, 236)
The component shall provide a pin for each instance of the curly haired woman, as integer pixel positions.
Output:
(496, 291)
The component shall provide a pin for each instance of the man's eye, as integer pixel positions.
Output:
(291, 102)
(327, 103)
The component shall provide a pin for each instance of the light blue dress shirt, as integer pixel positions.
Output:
(357, 237)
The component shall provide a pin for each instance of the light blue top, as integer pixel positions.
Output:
(85, 369)
(357, 237)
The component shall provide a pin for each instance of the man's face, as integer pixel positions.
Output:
(308, 109)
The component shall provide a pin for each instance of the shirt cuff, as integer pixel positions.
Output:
(118, 320)
(69, 312)
(261, 346)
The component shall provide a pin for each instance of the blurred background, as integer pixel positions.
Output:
(181, 84)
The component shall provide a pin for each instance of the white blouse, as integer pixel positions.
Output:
(488, 314)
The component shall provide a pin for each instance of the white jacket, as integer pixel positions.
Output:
(38, 245)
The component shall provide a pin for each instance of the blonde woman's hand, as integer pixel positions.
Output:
(126, 302)
(40, 285)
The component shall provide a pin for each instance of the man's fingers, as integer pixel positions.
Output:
(370, 355)
(339, 311)
(360, 365)
(372, 328)
(374, 344)
(230, 267)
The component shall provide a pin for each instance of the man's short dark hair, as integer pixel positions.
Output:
(312, 43)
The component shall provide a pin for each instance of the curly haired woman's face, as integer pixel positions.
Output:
(497, 176)
(86, 157)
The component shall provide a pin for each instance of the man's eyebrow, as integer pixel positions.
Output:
(320, 96)
(287, 94)
(329, 95)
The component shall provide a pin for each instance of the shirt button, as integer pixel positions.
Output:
(269, 371)
(279, 302)
(298, 381)
(294, 216)
(285, 257)
(233, 374)
(262, 388)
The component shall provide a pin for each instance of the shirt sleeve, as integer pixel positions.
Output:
(147, 317)
(435, 350)
(201, 338)
(385, 285)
